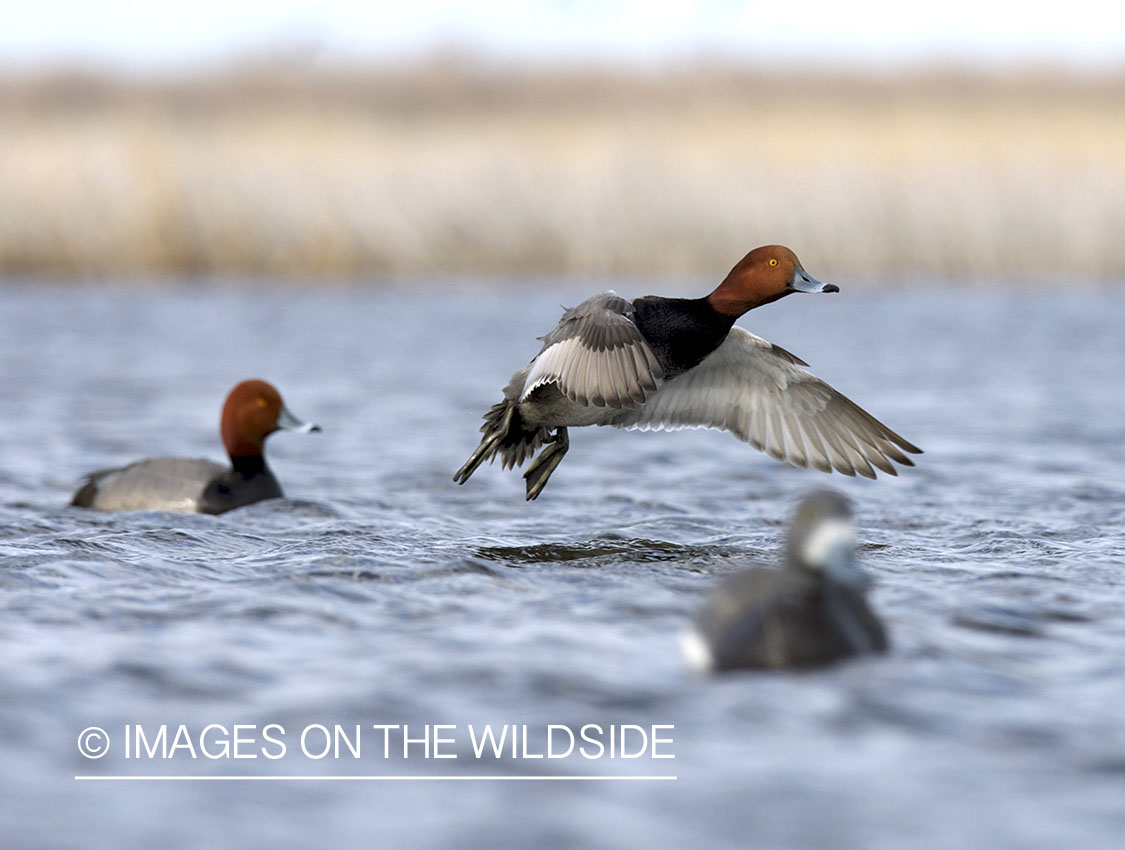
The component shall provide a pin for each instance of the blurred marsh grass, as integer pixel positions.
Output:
(459, 166)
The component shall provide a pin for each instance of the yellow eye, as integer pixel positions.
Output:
(261, 402)
(773, 261)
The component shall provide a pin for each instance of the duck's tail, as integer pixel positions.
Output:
(86, 494)
(506, 435)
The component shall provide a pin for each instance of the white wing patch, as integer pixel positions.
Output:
(597, 357)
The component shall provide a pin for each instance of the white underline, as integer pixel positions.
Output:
(376, 778)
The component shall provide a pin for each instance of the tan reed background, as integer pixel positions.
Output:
(456, 165)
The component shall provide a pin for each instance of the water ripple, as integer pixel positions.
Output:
(380, 591)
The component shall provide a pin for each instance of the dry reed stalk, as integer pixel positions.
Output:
(470, 169)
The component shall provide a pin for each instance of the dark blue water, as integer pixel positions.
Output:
(382, 593)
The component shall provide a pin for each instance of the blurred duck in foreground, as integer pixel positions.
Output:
(655, 363)
(809, 613)
(252, 412)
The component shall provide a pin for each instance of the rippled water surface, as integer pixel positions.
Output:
(382, 593)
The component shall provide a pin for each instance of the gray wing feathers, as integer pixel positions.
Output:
(757, 391)
(597, 356)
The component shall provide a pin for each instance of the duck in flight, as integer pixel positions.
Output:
(664, 363)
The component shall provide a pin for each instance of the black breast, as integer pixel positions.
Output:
(681, 331)
(249, 481)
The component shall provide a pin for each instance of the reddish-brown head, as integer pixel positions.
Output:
(252, 412)
(762, 276)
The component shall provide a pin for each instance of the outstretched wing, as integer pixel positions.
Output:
(760, 394)
(597, 356)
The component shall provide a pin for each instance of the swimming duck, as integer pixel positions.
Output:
(661, 363)
(811, 612)
(252, 412)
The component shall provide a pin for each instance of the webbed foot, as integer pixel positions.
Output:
(547, 462)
